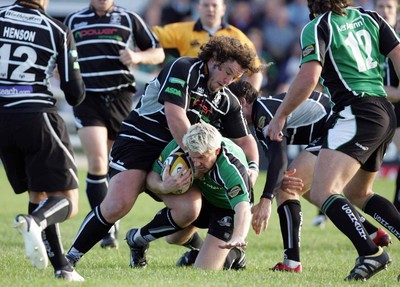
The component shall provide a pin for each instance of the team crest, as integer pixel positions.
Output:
(200, 90)
(217, 99)
(115, 18)
(261, 122)
(234, 191)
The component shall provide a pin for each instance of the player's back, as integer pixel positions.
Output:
(30, 44)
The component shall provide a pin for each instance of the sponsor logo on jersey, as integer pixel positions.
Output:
(73, 53)
(194, 43)
(100, 33)
(365, 148)
(13, 90)
(217, 99)
(205, 110)
(173, 91)
(225, 221)
(19, 34)
(178, 81)
(308, 50)
(200, 90)
(234, 191)
(24, 17)
(80, 24)
(351, 26)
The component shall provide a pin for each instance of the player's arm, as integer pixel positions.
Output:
(152, 56)
(394, 56)
(249, 146)
(242, 225)
(71, 82)
(300, 89)
(178, 122)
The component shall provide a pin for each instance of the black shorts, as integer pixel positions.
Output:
(363, 131)
(219, 221)
(105, 110)
(36, 152)
(129, 153)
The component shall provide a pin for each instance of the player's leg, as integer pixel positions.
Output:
(124, 188)
(396, 141)
(180, 211)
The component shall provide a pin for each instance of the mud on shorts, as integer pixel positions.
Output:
(219, 221)
(36, 152)
(364, 131)
(105, 110)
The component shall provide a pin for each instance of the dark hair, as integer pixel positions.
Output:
(243, 89)
(224, 48)
(317, 7)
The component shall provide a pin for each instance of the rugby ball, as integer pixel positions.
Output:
(177, 162)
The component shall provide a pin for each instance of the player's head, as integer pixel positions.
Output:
(227, 60)
(203, 144)
(247, 94)
(318, 7)
(211, 12)
(388, 9)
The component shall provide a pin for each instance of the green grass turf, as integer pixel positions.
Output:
(327, 255)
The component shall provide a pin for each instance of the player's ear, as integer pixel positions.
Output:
(217, 151)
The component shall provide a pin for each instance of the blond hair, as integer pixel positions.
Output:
(201, 138)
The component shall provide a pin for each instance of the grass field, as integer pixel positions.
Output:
(327, 255)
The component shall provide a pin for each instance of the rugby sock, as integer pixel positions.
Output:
(290, 218)
(396, 200)
(93, 229)
(96, 189)
(195, 242)
(51, 210)
(162, 225)
(369, 227)
(346, 219)
(52, 240)
(384, 212)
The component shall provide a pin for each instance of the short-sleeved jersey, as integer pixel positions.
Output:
(183, 82)
(32, 44)
(349, 48)
(227, 183)
(305, 124)
(187, 37)
(99, 39)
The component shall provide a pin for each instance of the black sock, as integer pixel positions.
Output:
(383, 211)
(346, 219)
(60, 207)
(92, 230)
(396, 200)
(369, 227)
(290, 218)
(162, 225)
(52, 241)
(96, 189)
(195, 242)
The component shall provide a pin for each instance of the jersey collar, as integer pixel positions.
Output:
(30, 4)
(199, 27)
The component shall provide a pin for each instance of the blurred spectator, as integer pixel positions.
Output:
(298, 13)
(366, 4)
(241, 16)
(177, 11)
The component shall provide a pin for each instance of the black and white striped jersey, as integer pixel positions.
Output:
(99, 39)
(32, 44)
(304, 125)
(183, 82)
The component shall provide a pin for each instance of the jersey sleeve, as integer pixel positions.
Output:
(70, 77)
(174, 83)
(313, 43)
(143, 35)
(234, 123)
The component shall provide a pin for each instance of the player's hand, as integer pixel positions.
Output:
(275, 127)
(235, 241)
(291, 183)
(253, 174)
(261, 214)
(174, 183)
(129, 57)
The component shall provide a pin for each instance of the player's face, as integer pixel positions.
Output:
(102, 5)
(203, 162)
(211, 12)
(388, 10)
(221, 75)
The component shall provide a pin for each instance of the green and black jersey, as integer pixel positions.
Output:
(227, 183)
(346, 47)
